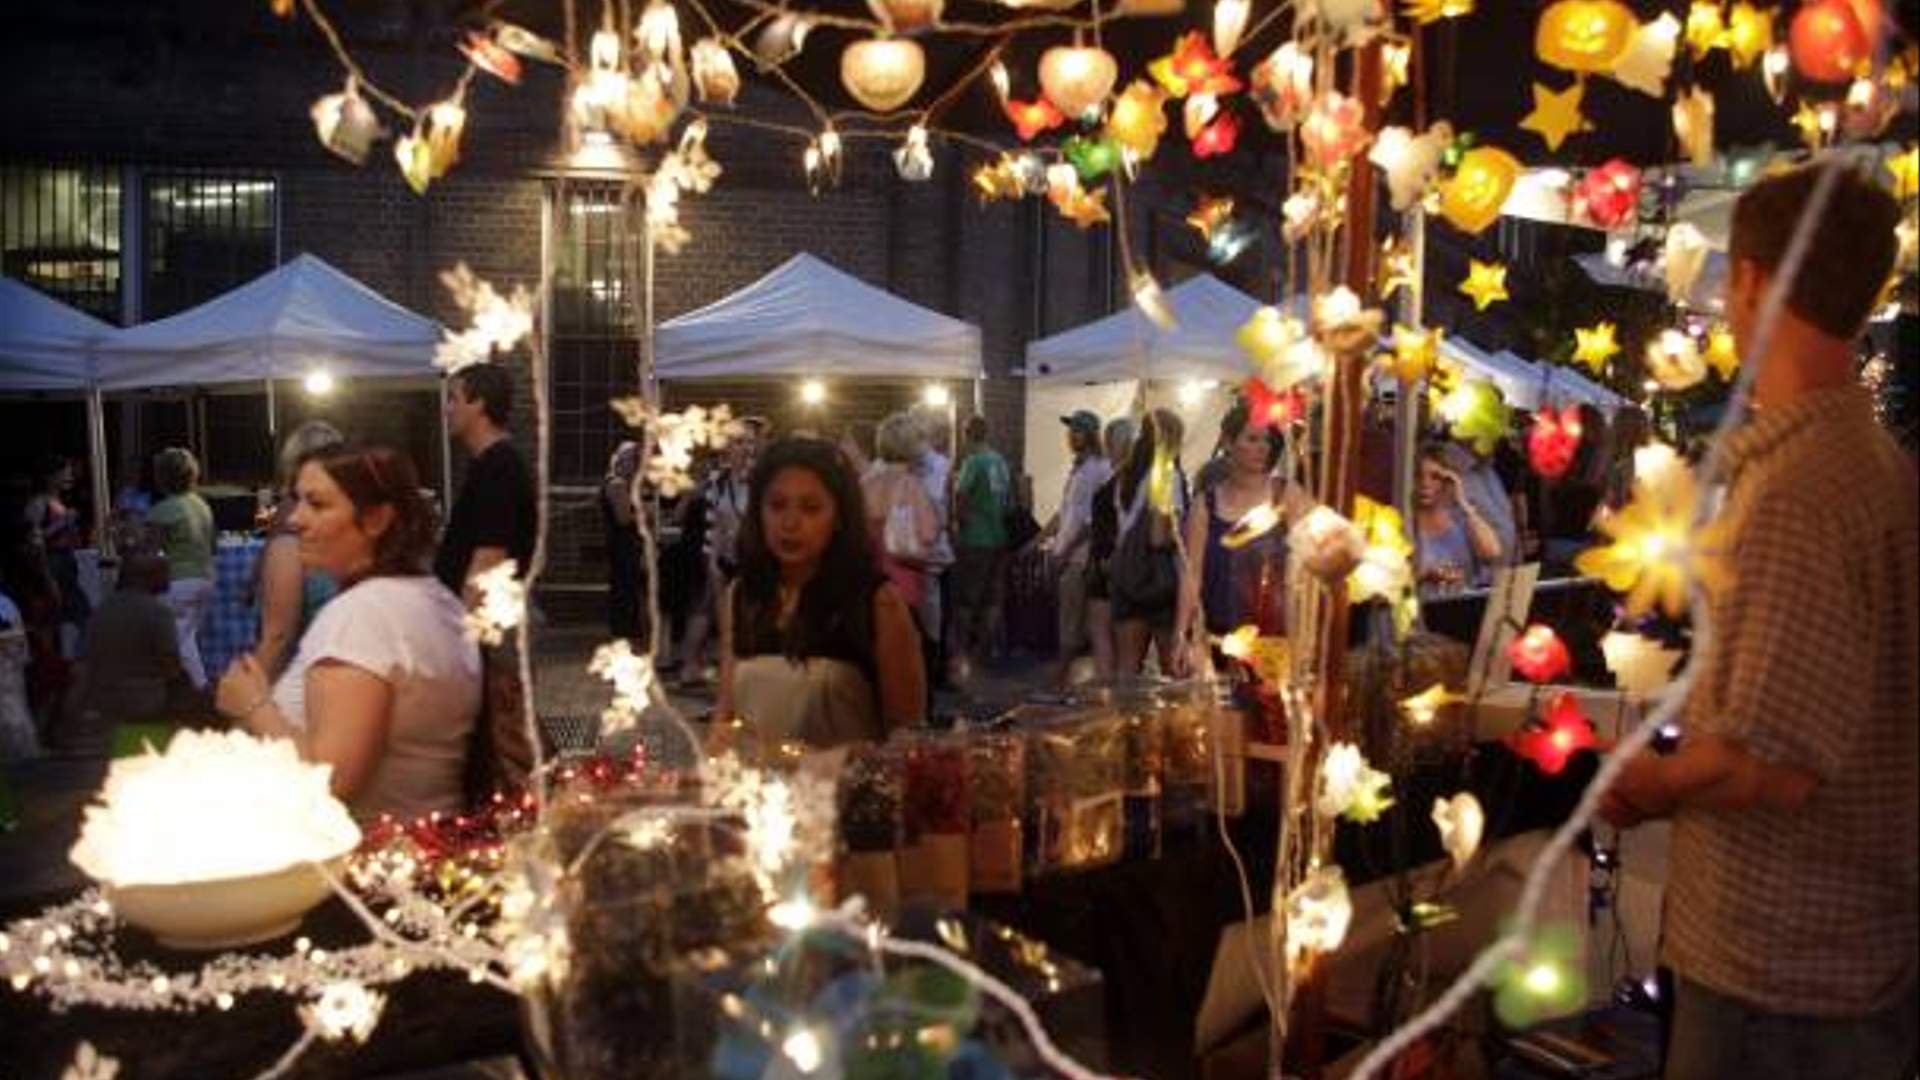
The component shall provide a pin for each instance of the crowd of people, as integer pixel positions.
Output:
(822, 587)
(362, 657)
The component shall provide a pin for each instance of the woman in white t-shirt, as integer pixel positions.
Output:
(385, 686)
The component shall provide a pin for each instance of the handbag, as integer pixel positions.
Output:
(1140, 575)
(900, 537)
(1021, 526)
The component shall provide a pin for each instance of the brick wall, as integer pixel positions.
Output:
(227, 85)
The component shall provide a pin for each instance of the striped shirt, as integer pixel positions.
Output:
(1814, 911)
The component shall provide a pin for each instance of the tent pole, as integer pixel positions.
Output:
(102, 487)
(1406, 425)
(446, 450)
(273, 411)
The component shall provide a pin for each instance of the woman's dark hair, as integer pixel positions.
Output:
(834, 602)
(381, 476)
(1236, 421)
(1140, 459)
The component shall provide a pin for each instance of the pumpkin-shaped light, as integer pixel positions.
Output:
(1077, 77)
(1827, 41)
(1473, 196)
(907, 16)
(1584, 35)
(883, 73)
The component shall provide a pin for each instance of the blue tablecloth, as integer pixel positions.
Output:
(233, 623)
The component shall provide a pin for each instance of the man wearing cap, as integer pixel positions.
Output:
(1065, 536)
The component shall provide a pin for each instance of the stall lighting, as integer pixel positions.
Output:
(1194, 391)
(936, 396)
(319, 382)
(813, 392)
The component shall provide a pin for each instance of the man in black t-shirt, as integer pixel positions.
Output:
(494, 517)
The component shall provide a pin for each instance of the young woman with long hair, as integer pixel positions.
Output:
(816, 644)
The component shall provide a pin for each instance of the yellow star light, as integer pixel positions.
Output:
(1415, 351)
(1396, 267)
(1706, 27)
(1812, 126)
(1595, 345)
(1556, 114)
(1422, 708)
(1905, 168)
(1426, 12)
(1720, 353)
(1085, 208)
(1652, 553)
(1486, 283)
(1749, 34)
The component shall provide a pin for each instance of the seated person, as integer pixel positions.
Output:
(817, 645)
(1458, 545)
(385, 685)
(130, 670)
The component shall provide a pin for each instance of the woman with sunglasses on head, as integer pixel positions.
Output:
(816, 645)
(385, 686)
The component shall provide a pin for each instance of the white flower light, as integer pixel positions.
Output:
(502, 605)
(1350, 786)
(345, 1009)
(1319, 910)
(1461, 822)
(215, 805)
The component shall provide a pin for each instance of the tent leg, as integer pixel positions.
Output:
(273, 414)
(102, 487)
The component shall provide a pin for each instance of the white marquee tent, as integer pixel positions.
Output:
(301, 316)
(809, 318)
(1103, 365)
(46, 346)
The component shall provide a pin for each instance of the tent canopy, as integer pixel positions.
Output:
(808, 317)
(1127, 345)
(1529, 384)
(44, 344)
(303, 315)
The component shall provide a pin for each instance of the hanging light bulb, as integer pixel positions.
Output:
(913, 159)
(1002, 84)
(659, 31)
(781, 40)
(907, 16)
(1773, 72)
(714, 75)
(1229, 22)
(346, 124)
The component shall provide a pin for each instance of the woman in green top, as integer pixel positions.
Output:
(181, 526)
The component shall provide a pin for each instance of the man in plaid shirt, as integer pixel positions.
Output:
(1793, 900)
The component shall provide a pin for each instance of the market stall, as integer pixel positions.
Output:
(303, 324)
(807, 318)
(1192, 365)
(47, 347)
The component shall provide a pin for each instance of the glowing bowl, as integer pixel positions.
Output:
(224, 912)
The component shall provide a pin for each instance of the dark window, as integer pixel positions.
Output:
(60, 233)
(206, 232)
(595, 347)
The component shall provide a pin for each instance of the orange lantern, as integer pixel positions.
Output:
(883, 73)
(1828, 42)
(1471, 199)
(1584, 35)
(1078, 77)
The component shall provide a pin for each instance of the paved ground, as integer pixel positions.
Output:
(563, 687)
